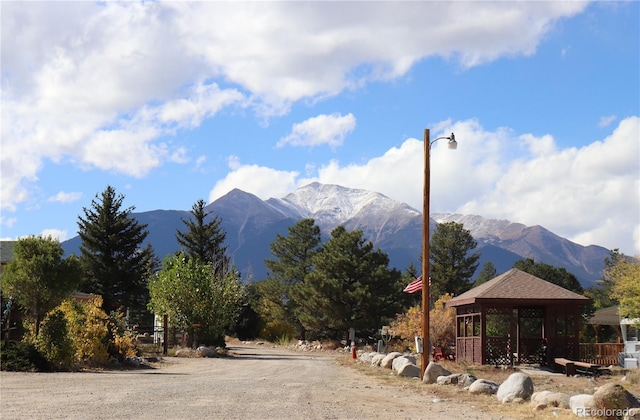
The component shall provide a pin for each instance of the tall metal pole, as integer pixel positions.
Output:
(426, 348)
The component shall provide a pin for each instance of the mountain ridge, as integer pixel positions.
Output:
(252, 224)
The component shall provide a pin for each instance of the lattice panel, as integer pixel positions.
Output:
(493, 310)
(532, 351)
(497, 351)
(531, 312)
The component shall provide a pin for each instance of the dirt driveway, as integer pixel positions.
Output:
(256, 383)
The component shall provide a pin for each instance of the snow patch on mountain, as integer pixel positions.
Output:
(483, 230)
(335, 205)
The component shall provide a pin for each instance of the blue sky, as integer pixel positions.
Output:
(173, 102)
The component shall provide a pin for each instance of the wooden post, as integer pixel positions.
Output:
(426, 348)
(165, 327)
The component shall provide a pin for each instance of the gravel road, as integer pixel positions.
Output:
(257, 382)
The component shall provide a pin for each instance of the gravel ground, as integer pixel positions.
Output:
(256, 382)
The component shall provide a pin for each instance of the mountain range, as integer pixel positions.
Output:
(251, 225)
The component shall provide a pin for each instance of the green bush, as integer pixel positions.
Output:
(277, 331)
(54, 342)
(22, 356)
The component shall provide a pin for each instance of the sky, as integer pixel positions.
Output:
(172, 102)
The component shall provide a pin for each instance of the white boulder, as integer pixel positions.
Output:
(518, 386)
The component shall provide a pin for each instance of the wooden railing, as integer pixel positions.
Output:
(603, 354)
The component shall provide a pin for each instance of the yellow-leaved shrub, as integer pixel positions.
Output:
(88, 329)
(442, 324)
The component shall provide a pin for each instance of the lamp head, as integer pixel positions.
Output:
(453, 144)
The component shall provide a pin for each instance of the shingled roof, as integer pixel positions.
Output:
(516, 285)
(6, 251)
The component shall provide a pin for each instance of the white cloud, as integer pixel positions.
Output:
(258, 180)
(57, 234)
(588, 194)
(606, 121)
(128, 152)
(74, 77)
(323, 129)
(65, 197)
(7, 221)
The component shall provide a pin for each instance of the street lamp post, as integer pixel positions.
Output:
(426, 347)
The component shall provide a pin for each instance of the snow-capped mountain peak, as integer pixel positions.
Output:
(334, 204)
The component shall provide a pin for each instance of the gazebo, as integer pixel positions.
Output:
(517, 318)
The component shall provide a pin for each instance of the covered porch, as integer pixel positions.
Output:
(626, 351)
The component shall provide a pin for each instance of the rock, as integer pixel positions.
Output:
(184, 353)
(582, 404)
(134, 361)
(613, 400)
(466, 379)
(367, 356)
(449, 379)
(377, 359)
(540, 407)
(398, 362)
(433, 371)
(632, 414)
(388, 359)
(483, 386)
(517, 386)
(550, 399)
(409, 370)
(203, 351)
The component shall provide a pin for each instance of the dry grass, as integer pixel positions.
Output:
(489, 403)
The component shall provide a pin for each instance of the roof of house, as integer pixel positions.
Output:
(6, 251)
(605, 316)
(611, 316)
(520, 286)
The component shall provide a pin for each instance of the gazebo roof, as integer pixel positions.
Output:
(516, 285)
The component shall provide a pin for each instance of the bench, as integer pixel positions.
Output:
(568, 366)
(587, 368)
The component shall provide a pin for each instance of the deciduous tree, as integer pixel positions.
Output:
(442, 324)
(601, 294)
(625, 275)
(192, 294)
(38, 278)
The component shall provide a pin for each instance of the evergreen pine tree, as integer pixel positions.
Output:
(116, 265)
(293, 261)
(204, 241)
(487, 273)
(555, 275)
(350, 286)
(294, 252)
(451, 266)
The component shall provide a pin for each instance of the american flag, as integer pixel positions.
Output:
(415, 286)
